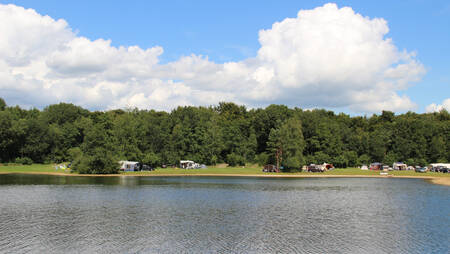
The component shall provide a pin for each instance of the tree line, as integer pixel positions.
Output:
(226, 133)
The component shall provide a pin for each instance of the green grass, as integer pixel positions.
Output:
(35, 168)
(249, 170)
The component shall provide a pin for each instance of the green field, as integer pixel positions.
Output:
(35, 168)
(252, 170)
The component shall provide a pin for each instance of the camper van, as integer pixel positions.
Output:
(399, 166)
(129, 165)
(190, 165)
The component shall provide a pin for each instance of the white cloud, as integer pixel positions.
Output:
(325, 57)
(436, 108)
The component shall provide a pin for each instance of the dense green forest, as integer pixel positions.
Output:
(227, 133)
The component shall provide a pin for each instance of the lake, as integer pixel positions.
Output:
(60, 214)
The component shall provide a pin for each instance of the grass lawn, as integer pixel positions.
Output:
(35, 168)
(252, 170)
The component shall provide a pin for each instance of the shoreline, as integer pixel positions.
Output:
(432, 179)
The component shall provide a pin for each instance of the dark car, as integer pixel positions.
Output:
(443, 170)
(270, 168)
(146, 168)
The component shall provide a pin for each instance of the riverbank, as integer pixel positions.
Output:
(48, 169)
(440, 180)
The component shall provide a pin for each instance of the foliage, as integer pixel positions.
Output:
(230, 133)
(98, 162)
(2, 104)
(287, 142)
(152, 159)
(24, 161)
(74, 153)
(292, 164)
(364, 159)
(262, 159)
(235, 160)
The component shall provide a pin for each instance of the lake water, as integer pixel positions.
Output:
(56, 214)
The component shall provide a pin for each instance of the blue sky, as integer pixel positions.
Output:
(227, 31)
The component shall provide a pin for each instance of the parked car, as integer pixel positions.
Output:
(146, 167)
(421, 170)
(376, 166)
(270, 168)
(441, 169)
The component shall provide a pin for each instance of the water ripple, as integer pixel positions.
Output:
(223, 215)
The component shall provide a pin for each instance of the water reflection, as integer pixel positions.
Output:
(223, 215)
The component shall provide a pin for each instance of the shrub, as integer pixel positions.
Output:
(262, 159)
(214, 160)
(24, 161)
(363, 160)
(340, 161)
(100, 162)
(235, 159)
(74, 153)
(152, 159)
(292, 164)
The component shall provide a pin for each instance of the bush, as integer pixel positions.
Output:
(321, 157)
(262, 159)
(410, 162)
(292, 164)
(101, 162)
(352, 158)
(364, 160)
(24, 161)
(74, 153)
(390, 158)
(340, 161)
(152, 159)
(234, 160)
(214, 160)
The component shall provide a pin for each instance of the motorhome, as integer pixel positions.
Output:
(399, 166)
(186, 164)
(129, 165)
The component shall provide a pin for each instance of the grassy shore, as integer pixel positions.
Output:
(439, 178)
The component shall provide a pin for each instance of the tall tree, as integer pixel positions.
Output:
(2, 104)
(286, 142)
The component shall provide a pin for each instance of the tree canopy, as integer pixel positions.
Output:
(226, 133)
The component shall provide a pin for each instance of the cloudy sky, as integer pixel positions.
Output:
(356, 57)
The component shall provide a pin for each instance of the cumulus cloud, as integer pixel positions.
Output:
(325, 57)
(437, 108)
